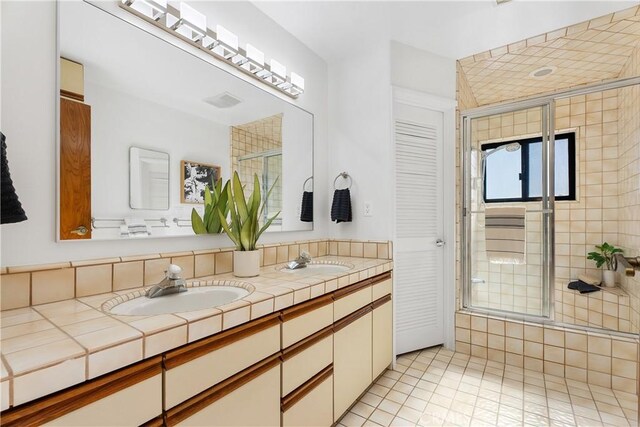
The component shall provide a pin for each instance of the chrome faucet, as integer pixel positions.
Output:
(301, 262)
(171, 284)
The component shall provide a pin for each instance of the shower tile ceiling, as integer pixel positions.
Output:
(584, 53)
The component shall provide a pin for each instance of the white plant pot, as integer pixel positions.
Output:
(609, 278)
(246, 263)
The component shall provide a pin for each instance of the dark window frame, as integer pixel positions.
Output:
(524, 176)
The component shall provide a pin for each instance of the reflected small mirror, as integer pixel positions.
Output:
(148, 179)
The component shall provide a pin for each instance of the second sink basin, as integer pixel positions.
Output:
(314, 268)
(196, 298)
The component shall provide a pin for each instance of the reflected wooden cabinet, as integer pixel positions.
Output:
(75, 154)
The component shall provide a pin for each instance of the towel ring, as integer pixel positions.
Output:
(305, 182)
(343, 175)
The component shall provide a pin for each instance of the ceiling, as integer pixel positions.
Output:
(588, 52)
(454, 29)
(121, 57)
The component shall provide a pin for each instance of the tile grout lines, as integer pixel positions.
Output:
(435, 387)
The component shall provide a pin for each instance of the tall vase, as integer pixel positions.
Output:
(246, 263)
(609, 278)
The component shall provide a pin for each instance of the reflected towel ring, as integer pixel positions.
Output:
(304, 184)
(344, 175)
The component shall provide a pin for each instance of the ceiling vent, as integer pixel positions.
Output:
(543, 72)
(223, 100)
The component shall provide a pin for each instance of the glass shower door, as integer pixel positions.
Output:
(508, 210)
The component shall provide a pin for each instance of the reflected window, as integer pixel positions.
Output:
(513, 169)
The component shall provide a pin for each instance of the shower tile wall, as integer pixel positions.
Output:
(252, 138)
(580, 224)
(629, 180)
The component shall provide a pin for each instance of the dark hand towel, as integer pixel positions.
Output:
(11, 209)
(306, 211)
(341, 206)
(582, 287)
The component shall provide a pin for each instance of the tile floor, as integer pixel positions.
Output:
(438, 387)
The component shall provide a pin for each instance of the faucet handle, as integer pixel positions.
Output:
(305, 256)
(173, 271)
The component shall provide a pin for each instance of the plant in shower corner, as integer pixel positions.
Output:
(244, 227)
(607, 255)
(214, 201)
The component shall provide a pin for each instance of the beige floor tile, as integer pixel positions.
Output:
(458, 390)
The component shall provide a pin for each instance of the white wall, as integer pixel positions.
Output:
(121, 121)
(426, 72)
(28, 85)
(360, 126)
(359, 140)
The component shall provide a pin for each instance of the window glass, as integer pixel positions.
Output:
(505, 180)
(561, 168)
(503, 171)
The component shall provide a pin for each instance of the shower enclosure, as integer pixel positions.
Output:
(268, 166)
(563, 165)
(508, 161)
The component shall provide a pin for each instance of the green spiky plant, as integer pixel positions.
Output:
(244, 227)
(214, 200)
(605, 256)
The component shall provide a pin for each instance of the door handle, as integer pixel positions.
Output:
(439, 243)
(80, 231)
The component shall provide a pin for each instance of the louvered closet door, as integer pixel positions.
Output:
(418, 268)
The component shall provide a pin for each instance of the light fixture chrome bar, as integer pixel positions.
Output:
(223, 47)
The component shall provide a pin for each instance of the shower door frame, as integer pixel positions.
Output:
(548, 209)
(547, 107)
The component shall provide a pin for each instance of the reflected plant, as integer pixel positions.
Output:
(215, 201)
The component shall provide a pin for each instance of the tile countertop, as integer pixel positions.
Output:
(45, 348)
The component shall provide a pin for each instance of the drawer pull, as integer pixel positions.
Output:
(296, 395)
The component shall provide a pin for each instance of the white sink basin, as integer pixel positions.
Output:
(315, 268)
(197, 298)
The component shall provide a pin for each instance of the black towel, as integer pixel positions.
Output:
(306, 211)
(341, 206)
(11, 209)
(582, 287)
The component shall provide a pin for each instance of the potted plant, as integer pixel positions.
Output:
(214, 200)
(606, 256)
(244, 227)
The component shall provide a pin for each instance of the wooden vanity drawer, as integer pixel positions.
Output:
(312, 406)
(249, 398)
(305, 319)
(382, 288)
(200, 365)
(350, 299)
(305, 360)
(128, 396)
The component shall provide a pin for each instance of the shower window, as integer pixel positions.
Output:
(512, 171)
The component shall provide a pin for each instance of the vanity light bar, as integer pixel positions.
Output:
(154, 9)
(191, 26)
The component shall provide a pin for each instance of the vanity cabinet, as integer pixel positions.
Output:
(196, 367)
(312, 403)
(250, 398)
(130, 396)
(382, 336)
(305, 365)
(351, 359)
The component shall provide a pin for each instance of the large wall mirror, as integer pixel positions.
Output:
(145, 126)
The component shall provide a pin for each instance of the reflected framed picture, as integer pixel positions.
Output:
(195, 176)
